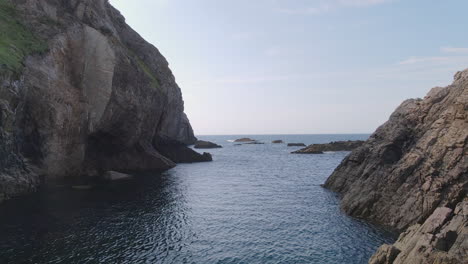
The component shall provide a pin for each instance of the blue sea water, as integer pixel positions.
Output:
(252, 204)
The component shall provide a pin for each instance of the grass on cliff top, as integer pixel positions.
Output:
(16, 40)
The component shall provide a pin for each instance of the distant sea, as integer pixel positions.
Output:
(252, 204)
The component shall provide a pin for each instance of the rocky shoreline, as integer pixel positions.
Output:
(332, 146)
(412, 165)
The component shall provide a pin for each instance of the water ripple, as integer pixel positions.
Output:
(253, 204)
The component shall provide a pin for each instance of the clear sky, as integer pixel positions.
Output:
(302, 66)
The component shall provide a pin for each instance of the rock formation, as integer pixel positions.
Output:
(414, 163)
(244, 140)
(81, 93)
(279, 141)
(443, 238)
(332, 146)
(200, 144)
(296, 145)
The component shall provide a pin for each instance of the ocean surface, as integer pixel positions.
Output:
(252, 204)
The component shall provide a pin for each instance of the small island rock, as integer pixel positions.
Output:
(296, 145)
(279, 141)
(332, 146)
(201, 144)
(244, 140)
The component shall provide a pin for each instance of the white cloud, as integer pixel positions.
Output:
(415, 60)
(454, 50)
(330, 5)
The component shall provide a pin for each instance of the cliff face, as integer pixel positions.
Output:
(414, 163)
(93, 97)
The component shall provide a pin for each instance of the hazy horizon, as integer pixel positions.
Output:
(302, 67)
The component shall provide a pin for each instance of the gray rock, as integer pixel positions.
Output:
(442, 238)
(277, 141)
(332, 146)
(100, 98)
(296, 145)
(412, 170)
(415, 162)
(200, 144)
(244, 140)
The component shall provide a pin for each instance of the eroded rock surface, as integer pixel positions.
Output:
(332, 146)
(415, 162)
(99, 99)
(413, 171)
(442, 238)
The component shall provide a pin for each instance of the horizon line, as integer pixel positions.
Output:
(299, 134)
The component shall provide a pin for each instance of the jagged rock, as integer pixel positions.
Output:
(244, 140)
(178, 152)
(415, 162)
(332, 146)
(296, 145)
(98, 98)
(442, 238)
(277, 141)
(200, 144)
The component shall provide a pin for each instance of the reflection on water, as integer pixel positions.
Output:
(253, 204)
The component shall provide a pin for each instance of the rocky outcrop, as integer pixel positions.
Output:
(279, 141)
(332, 146)
(442, 238)
(244, 140)
(414, 163)
(200, 144)
(98, 98)
(296, 145)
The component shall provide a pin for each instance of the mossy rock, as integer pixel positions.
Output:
(16, 40)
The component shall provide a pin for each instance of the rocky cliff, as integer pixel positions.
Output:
(82, 93)
(414, 163)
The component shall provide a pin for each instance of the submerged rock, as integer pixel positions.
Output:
(277, 142)
(296, 145)
(206, 145)
(116, 176)
(255, 143)
(85, 93)
(332, 146)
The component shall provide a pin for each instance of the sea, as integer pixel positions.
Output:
(254, 204)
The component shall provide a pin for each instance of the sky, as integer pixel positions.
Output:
(302, 66)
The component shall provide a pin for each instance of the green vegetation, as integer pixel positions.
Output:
(16, 41)
(146, 69)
